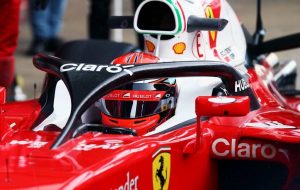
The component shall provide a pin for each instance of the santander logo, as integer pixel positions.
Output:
(222, 147)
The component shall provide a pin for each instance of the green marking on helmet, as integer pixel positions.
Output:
(178, 15)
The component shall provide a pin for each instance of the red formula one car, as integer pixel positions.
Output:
(152, 120)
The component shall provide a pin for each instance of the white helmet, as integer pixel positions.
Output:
(169, 32)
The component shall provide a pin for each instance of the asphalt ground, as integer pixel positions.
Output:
(280, 18)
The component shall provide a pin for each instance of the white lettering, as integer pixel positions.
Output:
(243, 150)
(144, 96)
(214, 147)
(90, 67)
(30, 144)
(99, 68)
(264, 151)
(113, 69)
(86, 147)
(270, 125)
(254, 148)
(68, 67)
(130, 184)
(80, 67)
(233, 141)
(241, 85)
(222, 147)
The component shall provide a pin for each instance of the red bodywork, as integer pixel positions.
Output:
(225, 147)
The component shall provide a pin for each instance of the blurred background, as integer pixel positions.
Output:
(280, 18)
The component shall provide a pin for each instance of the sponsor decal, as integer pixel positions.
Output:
(179, 48)
(126, 95)
(140, 95)
(96, 68)
(158, 96)
(108, 144)
(28, 143)
(213, 11)
(161, 168)
(221, 147)
(270, 125)
(227, 54)
(221, 100)
(150, 46)
(131, 183)
(200, 49)
(241, 85)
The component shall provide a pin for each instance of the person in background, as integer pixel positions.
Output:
(9, 22)
(46, 25)
(9, 32)
(98, 20)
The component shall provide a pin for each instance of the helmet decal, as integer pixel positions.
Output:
(213, 10)
(179, 48)
(141, 95)
(198, 44)
(183, 16)
(179, 18)
(150, 46)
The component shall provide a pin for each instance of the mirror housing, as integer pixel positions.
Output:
(222, 106)
(2, 95)
(216, 106)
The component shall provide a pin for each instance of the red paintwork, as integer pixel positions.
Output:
(105, 161)
(101, 161)
(2, 95)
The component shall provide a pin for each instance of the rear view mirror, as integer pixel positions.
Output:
(222, 106)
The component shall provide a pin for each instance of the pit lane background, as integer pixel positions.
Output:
(280, 18)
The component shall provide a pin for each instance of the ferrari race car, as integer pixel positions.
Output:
(183, 114)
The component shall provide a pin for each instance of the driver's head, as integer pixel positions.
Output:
(141, 105)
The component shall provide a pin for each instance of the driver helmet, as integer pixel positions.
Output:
(154, 17)
(167, 34)
(141, 105)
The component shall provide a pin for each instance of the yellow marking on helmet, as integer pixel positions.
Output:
(210, 14)
(150, 46)
(179, 48)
